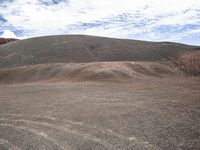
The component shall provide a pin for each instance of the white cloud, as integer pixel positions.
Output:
(117, 18)
(10, 34)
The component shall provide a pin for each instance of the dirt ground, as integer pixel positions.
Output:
(158, 114)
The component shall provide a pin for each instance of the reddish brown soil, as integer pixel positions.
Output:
(6, 40)
(189, 62)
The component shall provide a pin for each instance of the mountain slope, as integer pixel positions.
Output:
(81, 49)
(89, 58)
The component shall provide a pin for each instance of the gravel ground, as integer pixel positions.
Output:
(159, 114)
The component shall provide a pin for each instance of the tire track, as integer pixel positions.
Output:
(133, 138)
(9, 145)
(33, 131)
(32, 116)
(120, 138)
(64, 129)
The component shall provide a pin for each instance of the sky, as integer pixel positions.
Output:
(151, 20)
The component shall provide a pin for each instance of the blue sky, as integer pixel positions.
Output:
(152, 20)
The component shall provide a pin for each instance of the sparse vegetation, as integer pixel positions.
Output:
(188, 63)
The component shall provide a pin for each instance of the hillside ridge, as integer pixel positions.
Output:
(90, 58)
(83, 49)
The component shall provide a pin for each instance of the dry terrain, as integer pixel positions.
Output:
(156, 114)
(95, 93)
(6, 40)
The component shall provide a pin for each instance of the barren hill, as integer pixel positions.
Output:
(95, 93)
(80, 49)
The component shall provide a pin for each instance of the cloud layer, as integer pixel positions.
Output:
(171, 20)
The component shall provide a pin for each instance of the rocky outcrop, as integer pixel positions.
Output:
(6, 40)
